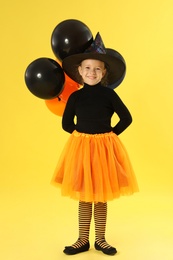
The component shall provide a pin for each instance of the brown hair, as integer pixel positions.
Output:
(104, 80)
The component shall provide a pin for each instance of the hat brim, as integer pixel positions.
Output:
(116, 65)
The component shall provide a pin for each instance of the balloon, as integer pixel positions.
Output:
(69, 87)
(44, 78)
(70, 37)
(119, 56)
(56, 106)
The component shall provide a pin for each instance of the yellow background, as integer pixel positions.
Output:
(35, 221)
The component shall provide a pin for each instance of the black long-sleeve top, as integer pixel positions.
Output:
(93, 107)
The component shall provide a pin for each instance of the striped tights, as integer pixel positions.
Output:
(84, 217)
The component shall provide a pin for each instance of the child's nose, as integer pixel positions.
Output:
(93, 71)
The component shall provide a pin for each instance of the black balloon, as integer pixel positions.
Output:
(70, 37)
(45, 78)
(116, 54)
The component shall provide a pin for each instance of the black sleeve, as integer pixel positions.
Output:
(68, 116)
(123, 113)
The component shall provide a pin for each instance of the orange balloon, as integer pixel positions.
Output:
(56, 106)
(69, 87)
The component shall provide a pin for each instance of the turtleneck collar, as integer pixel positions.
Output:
(86, 86)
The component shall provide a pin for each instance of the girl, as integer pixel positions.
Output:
(94, 166)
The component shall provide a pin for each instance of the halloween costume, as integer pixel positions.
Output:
(94, 165)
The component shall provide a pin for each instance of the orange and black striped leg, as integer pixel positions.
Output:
(100, 217)
(82, 244)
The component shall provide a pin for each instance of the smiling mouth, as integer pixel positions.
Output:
(91, 77)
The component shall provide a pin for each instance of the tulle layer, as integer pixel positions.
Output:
(94, 168)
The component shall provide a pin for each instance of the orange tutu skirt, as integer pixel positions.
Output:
(94, 168)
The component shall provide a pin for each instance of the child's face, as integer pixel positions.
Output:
(92, 71)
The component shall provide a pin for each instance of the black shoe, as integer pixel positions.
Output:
(69, 250)
(108, 250)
